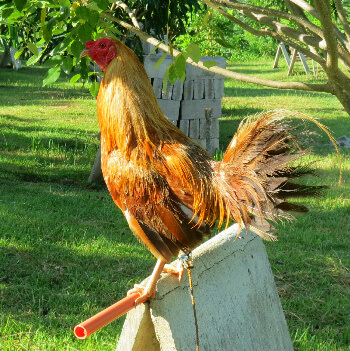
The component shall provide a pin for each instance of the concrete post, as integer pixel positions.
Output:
(237, 303)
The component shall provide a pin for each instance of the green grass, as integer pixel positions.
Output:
(311, 261)
(66, 251)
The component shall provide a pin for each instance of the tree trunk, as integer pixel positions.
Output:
(344, 99)
(6, 59)
(96, 175)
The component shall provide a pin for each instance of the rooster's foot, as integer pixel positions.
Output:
(144, 293)
(177, 270)
(150, 289)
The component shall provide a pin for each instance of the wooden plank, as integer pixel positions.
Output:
(303, 61)
(291, 66)
(278, 54)
(285, 54)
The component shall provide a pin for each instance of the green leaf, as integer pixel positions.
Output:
(180, 66)
(18, 53)
(160, 61)
(93, 6)
(53, 61)
(102, 4)
(33, 49)
(85, 32)
(75, 78)
(206, 18)
(67, 65)
(94, 87)
(172, 74)
(223, 42)
(51, 24)
(13, 16)
(7, 13)
(155, 48)
(65, 13)
(43, 16)
(47, 34)
(20, 4)
(52, 75)
(209, 63)
(112, 32)
(194, 52)
(83, 13)
(77, 47)
(33, 59)
(93, 18)
(64, 3)
(83, 68)
(62, 46)
(88, 15)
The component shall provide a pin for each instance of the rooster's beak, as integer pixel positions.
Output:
(85, 52)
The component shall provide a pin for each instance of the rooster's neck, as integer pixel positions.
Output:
(128, 110)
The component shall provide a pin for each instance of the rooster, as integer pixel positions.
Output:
(171, 190)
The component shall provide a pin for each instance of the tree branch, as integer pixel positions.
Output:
(283, 29)
(222, 71)
(129, 12)
(306, 7)
(297, 11)
(260, 15)
(284, 33)
(245, 26)
(324, 11)
(344, 21)
(266, 32)
(299, 20)
(268, 12)
(312, 11)
(278, 34)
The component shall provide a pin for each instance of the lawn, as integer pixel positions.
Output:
(66, 251)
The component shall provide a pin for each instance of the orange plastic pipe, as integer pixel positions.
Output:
(108, 315)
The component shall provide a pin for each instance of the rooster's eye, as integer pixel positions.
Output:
(102, 45)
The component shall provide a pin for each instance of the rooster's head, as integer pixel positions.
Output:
(102, 51)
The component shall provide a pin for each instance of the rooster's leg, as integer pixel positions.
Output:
(150, 289)
(183, 262)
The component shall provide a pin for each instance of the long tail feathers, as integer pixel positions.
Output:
(254, 178)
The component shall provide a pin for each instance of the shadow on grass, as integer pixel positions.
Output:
(44, 137)
(65, 254)
(19, 119)
(27, 88)
(262, 92)
(238, 112)
(26, 96)
(32, 153)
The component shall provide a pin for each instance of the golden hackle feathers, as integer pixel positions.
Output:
(169, 188)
